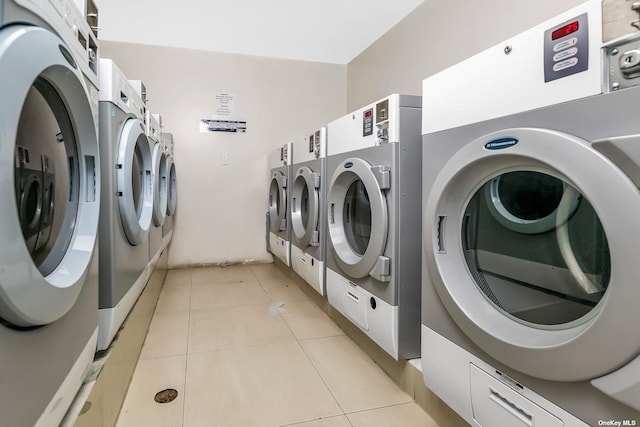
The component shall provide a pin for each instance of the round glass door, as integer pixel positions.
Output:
(172, 190)
(530, 252)
(135, 182)
(159, 185)
(358, 217)
(304, 207)
(278, 202)
(51, 196)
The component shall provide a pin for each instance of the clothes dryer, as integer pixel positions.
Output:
(279, 201)
(373, 208)
(172, 189)
(127, 202)
(50, 209)
(308, 208)
(159, 176)
(529, 278)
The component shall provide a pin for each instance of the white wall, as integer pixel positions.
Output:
(221, 209)
(436, 35)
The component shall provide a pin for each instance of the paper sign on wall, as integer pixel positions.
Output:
(223, 116)
(224, 106)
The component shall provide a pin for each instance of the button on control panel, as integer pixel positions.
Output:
(566, 48)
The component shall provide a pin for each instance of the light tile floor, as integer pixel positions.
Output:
(245, 346)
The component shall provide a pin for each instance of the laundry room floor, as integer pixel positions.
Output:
(245, 346)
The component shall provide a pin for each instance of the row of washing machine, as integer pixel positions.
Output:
(80, 227)
(508, 222)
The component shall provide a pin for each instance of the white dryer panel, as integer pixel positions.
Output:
(495, 83)
(362, 128)
(309, 268)
(281, 156)
(115, 88)
(470, 387)
(311, 147)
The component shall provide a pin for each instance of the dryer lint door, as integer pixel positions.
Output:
(49, 213)
(160, 181)
(305, 205)
(278, 202)
(526, 242)
(358, 218)
(134, 182)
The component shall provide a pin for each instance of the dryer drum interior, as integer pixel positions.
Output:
(536, 248)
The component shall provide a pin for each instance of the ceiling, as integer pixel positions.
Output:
(333, 31)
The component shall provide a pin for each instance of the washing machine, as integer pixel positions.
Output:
(279, 201)
(159, 173)
(172, 194)
(373, 218)
(307, 209)
(530, 290)
(127, 200)
(49, 222)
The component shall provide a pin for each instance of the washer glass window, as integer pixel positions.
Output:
(357, 217)
(536, 248)
(304, 206)
(46, 175)
(137, 178)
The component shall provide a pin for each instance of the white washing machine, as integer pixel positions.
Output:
(160, 180)
(279, 201)
(172, 190)
(530, 289)
(308, 208)
(127, 200)
(49, 219)
(373, 208)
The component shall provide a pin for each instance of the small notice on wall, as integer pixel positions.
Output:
(211, 125)
(224, 106)
(223, 119)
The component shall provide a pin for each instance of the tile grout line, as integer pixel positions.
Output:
(186, 358)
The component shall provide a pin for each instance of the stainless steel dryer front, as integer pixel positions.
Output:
(308, 208)
(373, 210)
(50, 204)
(279, 201)
(530, 220)
(127, 200)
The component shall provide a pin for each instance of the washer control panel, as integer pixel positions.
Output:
(566, 48)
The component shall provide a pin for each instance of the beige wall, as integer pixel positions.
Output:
(435, 36)
(221, 209)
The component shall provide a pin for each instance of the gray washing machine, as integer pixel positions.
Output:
(159, 172)
(50, 210)
(530, 220)
(308, 208)
(127, 200)
(373, 214)
(172, 190)
(279, 202)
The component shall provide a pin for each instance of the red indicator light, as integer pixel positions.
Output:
(565, 31)
(368, 113)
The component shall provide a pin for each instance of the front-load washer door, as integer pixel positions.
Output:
(159, 161)
(134, 182)
(530, 240)
(172, 194)
(278, 202)
(358, 218)
(50, 197)
(305, 205)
